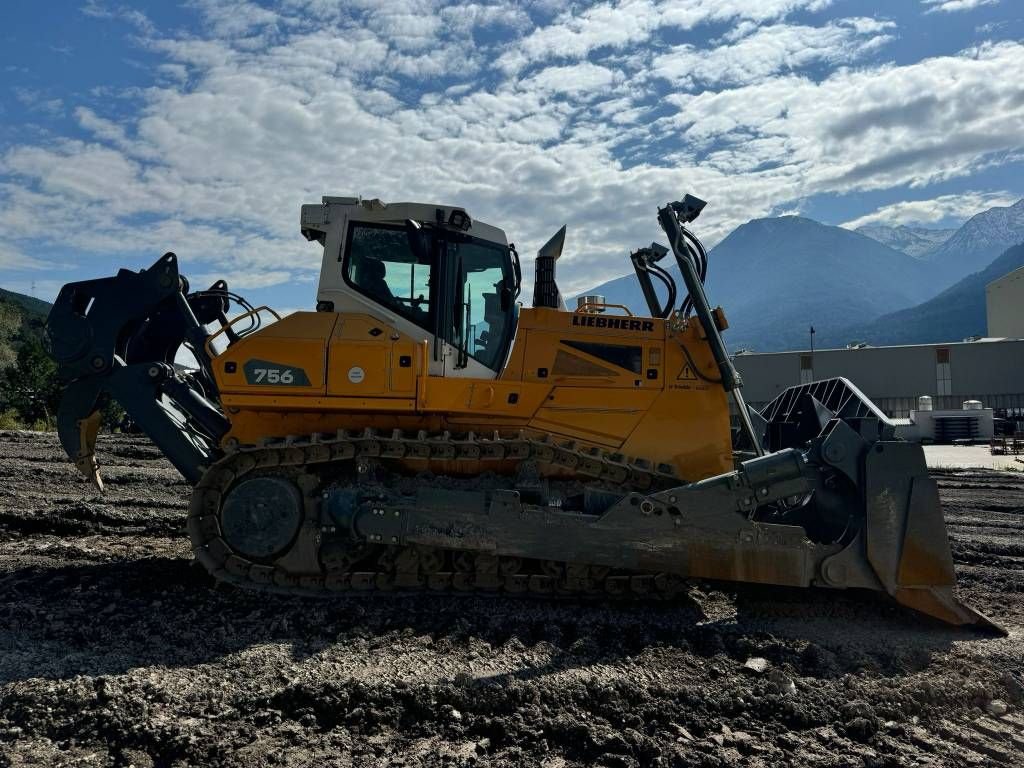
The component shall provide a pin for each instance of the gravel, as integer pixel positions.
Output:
(116, 650)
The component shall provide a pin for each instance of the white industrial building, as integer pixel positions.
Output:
(989, 370)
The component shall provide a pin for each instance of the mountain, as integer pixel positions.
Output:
(955, 314)
(776, 277)
(981, 239)
(20, 317)
(913, 241)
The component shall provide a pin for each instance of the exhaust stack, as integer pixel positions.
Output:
(545, 289)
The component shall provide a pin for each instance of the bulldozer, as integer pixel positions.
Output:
(422, 429)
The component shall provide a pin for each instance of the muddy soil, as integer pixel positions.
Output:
(115, 650)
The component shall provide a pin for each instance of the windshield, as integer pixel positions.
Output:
(381, 265)
(457, 287)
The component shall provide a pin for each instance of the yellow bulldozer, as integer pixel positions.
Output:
(423, 430)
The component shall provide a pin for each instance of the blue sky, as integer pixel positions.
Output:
(129, 129)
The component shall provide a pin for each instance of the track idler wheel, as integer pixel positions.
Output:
(261, 517)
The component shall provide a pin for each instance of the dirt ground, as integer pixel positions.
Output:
(115, 651)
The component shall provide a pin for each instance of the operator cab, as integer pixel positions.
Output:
(428, 271)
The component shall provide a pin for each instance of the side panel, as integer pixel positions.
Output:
(688, 424)
(483, 402)
(599, 368)
(629, 383)
(361, 373)
(604, 416)
(367, 358)
(286, 358)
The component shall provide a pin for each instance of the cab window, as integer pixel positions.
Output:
(485, 270)
(380, 264)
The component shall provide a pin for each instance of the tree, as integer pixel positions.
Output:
(30, 387)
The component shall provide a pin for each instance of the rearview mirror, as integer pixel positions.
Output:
(505, 298)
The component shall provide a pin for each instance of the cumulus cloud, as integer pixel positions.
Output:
(248, 122)
(574, 79)
(949, 6)
(771, 49)
(868, 128)
(958, 207)
(574, 34)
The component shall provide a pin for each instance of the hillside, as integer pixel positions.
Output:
(35, 307)
(956, 313)
(913, 241)
(776, 277)
(20, 317)
(981, 239)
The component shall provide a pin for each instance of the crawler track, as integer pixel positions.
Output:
(316, 461)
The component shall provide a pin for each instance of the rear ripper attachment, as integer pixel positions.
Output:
(484, 501)
(118, 337)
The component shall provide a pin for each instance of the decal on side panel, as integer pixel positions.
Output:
(266, 373)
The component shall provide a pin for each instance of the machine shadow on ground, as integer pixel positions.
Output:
(108, 618)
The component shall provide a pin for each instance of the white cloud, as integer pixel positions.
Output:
(220, 152)
(948, 6)
(869, 128)
(958, 207)
(771, 49)
(244, 280)
(38, 101)
(132, 16)
(575, 34)
(469, 16)
(409, 26)
(99, 126)
(13, 258)
(237, 18)
(575, 79)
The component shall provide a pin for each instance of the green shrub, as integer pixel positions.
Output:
(9, 419)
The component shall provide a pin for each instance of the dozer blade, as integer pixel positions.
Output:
(913, 559)
(904, 535)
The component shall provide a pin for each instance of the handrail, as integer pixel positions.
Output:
(591, 308)
(421, 382)
(209, 339)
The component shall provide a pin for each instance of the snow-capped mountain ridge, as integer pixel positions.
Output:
(913, 241)
(980, 240)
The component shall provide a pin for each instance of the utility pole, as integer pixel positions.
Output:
(812, 352)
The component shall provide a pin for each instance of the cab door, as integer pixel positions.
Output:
(477, 312)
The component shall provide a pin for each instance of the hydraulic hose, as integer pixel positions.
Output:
(689, 258)
(700, 259)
